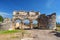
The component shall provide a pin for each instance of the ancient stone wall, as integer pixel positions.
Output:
(52, 21)
(42, 21)
(22, 15)
(6, 25)
(47, 21)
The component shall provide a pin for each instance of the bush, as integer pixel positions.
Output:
(1, 18)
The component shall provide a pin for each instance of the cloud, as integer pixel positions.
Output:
(49, 3)
(4, 14)
(58, 18)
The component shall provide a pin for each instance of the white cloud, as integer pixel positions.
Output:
(58, 18)
(4, 14)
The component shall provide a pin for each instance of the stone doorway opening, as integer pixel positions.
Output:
(17, 24)
(35, 24)
(26, 24)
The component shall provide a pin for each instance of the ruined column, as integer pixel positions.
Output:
(38, 24)
(22, 24)
(13, 26)
(19, 25)
(31, 26)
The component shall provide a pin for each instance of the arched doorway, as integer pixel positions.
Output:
(26, 24)
(16, 23)
(35, 22)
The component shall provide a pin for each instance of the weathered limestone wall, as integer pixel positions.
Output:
(47, 21)
(22, 15)
(42, 21)
(5, 26)
(52, 21)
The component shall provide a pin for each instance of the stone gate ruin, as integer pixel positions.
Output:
(22, 15)
(44, 21)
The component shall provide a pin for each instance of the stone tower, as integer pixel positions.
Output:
(52, 21)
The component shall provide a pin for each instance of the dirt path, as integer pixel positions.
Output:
(35, 34)
(43, 35)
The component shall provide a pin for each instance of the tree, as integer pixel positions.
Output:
(1, 18)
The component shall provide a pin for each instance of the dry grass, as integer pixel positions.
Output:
(58, 28)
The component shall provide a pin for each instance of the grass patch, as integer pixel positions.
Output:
(7, 31)
(13, 31)
(58, 29)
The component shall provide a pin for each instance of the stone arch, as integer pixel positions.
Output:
(24, 15)
(35, 23)
(26, 21)
(16, 25)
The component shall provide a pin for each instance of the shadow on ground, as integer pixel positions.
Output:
(57, 34)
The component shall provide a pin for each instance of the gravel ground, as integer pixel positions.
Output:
(34, 34)
(43, 35)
